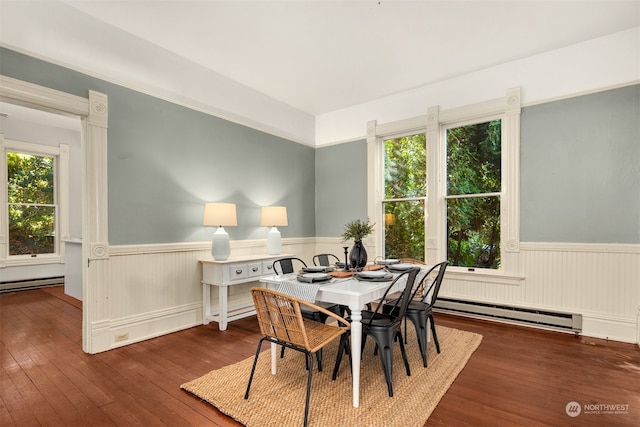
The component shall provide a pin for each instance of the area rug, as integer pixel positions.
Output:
(278, 400)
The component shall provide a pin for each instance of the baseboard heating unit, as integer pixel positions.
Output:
(570, 322)
(30, 284)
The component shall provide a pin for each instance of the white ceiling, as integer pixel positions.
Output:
(322, 56)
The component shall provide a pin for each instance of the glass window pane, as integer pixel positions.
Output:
(404, 229)
(31, 230)
(473, 159)
(405, 167)
(30, 178)
(473, 232)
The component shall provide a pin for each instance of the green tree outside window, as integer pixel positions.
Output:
(31, 207)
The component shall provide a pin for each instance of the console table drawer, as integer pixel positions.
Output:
(255, 269)
(267, 267)
(237, 272)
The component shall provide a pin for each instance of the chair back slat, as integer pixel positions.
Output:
(280, 317)
(324, 259)
(399, 305)
(286, 265)
(434, 289)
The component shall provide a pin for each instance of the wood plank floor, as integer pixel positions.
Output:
(518, 376)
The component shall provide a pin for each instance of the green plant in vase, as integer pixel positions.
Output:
(357, 230)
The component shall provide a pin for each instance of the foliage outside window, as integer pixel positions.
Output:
(455, 198)
(473, 195)
(31, 204)
(405, 188)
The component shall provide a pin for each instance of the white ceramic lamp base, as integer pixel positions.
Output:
(274, 242)
(220, 246)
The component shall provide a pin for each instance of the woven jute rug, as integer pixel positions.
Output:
(278, 400)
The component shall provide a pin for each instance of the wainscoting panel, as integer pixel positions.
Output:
(601, 282)
(152, 290)
(156, 289)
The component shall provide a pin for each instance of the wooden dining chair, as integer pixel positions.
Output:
(385, 329)
(281, 322)
(290, 265)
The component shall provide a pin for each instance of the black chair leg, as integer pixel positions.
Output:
(433, 332)
(420, 324)
(306, 405)
(344, 340)
(253, 369)
(404, 355)
(386, 356)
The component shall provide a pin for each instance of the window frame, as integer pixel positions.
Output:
(434, 124)
(61, 201)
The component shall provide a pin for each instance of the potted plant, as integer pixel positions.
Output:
(357, 230)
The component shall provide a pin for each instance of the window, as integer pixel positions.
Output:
(405, 191)
(446, 186)
(32, 222)
(473, 194)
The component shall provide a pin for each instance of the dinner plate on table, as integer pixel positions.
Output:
(387, 261)
(314, 277)
(401, 266)
(317, 269)
(374, 276)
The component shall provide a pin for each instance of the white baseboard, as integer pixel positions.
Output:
(610, 328)
(112, 334)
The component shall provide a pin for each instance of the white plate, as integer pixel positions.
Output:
(317, 276)
(387, 261)
(314, 269)
(372, 274)
(401, 266)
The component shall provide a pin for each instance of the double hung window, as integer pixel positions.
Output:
(446, 186)
(32, 221)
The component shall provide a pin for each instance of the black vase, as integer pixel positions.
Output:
(358, 255)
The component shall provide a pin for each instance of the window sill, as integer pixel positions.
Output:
(483, 276)
(39, 260)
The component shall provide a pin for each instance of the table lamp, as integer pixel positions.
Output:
(220, 214)
(274, 216)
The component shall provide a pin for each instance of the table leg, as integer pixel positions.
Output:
(223, 293)
(356, 351)
(206, 303)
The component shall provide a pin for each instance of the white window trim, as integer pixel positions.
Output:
(61, 199)
(507, 109)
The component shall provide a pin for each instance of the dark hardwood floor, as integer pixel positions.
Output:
(518, 376)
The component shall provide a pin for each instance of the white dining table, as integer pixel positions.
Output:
(350, 292)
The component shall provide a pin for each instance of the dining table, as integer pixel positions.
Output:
(349, 291)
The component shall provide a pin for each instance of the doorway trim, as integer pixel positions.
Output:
(93, 113)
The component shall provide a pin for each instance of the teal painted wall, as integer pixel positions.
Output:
(165, 161)
(341, 186)
(580, 169)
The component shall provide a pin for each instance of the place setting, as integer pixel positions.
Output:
(373, 276)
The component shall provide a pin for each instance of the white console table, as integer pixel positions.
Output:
(232, 271)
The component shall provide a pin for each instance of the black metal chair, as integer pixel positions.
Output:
(290, 265)
(281, 322)
(384, 329)
(325, 259)
(420, 308)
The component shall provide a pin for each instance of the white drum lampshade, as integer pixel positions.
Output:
(274, 216)
(220, 215)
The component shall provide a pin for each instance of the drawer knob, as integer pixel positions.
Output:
(238, 271)
(254, 269)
